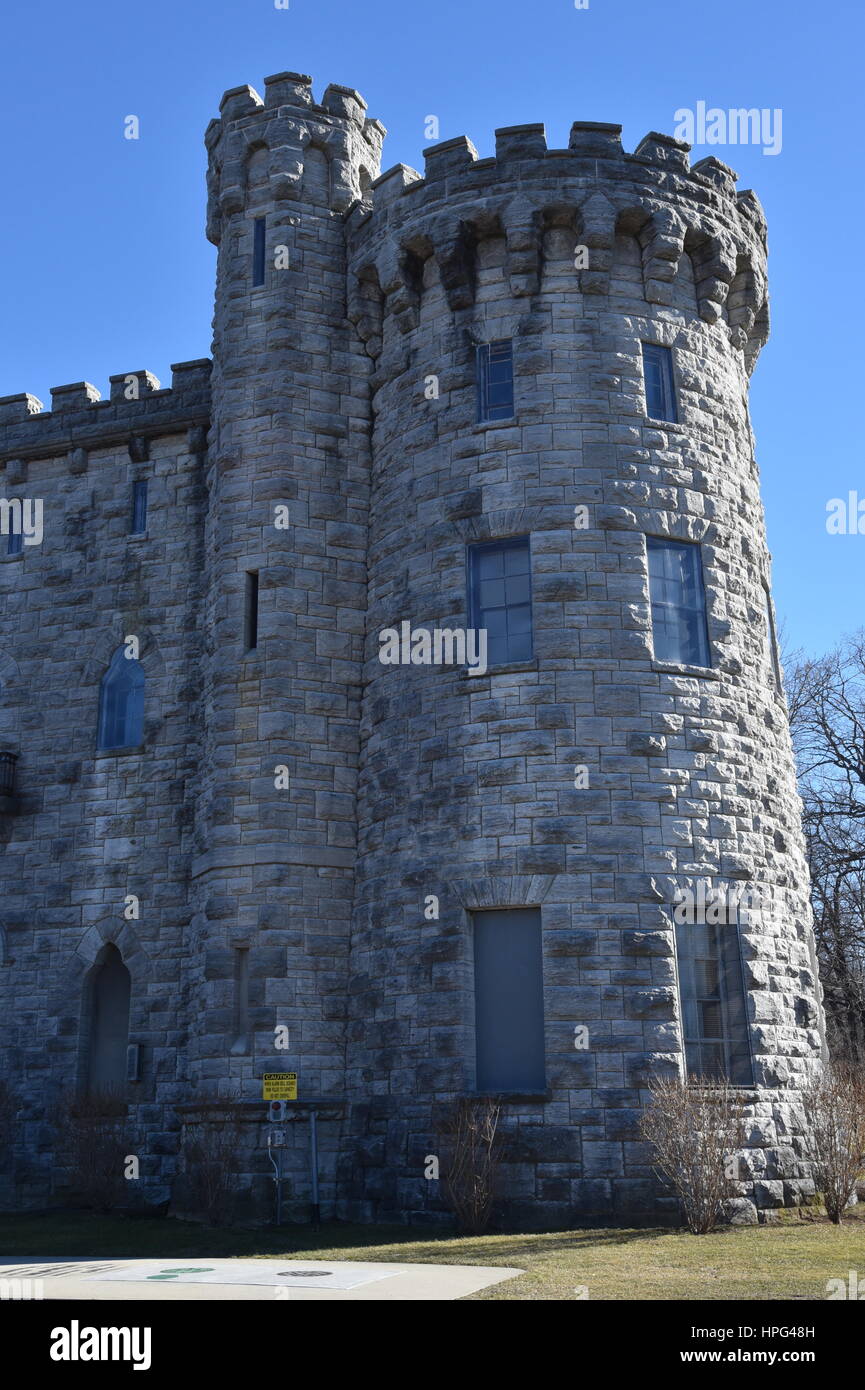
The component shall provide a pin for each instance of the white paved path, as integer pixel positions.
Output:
(268, 1280)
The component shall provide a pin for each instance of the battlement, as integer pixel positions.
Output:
(284, 124)
(137, 408)
(655, 194)
(522, 152)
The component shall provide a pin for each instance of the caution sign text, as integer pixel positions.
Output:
(279, 1085)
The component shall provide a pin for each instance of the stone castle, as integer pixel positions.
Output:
(508, 398)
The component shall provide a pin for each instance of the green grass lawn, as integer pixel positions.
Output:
(790, 1260)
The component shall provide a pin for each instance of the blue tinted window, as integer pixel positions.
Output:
(509, 1000)
(121, 703)
(495, 377)
(714, 1020)
(15, 543)
(678, 602)
(500, 598)
(660, 387)
(139, 508)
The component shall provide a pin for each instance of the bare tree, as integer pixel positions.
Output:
(835, 1133)
(469, 1135)
(826, 700)
(695, 1130)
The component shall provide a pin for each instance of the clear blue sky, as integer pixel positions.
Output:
(105, 267)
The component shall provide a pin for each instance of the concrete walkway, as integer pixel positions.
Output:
(267, 1280)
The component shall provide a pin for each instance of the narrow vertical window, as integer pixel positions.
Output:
(678, 602)
(509, 1000)
(109, 988)
(240, 1043)
(712, 993)
(500, 597)
(250, 619)
(139, 509)
(771, 640)
(659, 382)
(495, 379)
(15, 542)
(258, 227)
(121, 703)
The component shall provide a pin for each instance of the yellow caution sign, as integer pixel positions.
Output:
(279, 1085)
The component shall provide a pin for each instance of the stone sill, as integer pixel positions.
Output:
(119, 752)
(509, 424)
(511, 1097)
(138, 535)
(668, 425)
(254, 1111)
(467, 674)
(8, 559)
(669, 668)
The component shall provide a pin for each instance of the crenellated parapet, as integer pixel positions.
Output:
(672, 208)
(137, 410)
(280, 129)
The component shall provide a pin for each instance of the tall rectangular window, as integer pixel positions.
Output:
(15, 542)
(139, 509)
(258, 230)
(659, 382)
(712, 994)
(495, 378)
(678, 602)
(240, 1040)
(509, 1000)
(250, 616)
(500, 597)
(771, 641)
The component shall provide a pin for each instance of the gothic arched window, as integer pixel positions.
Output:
(121, 703)
(109, 990)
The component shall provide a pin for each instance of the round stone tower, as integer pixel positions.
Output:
(595, 787)
(287, 484)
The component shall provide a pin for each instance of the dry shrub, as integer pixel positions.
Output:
(694, 1129)
(8, 1114)
(469, 1142)
(834, 1105)
(92, 1144)
(210, 1151)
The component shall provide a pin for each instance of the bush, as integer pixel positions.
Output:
(210, 1151)
(834, 1106)
(694, 1129)
(92, 1144)
(8, 1115)
(469, 1141)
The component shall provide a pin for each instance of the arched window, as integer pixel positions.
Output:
(109, 987)
(121, 703)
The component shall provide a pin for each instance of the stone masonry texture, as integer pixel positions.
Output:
(404, 781)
